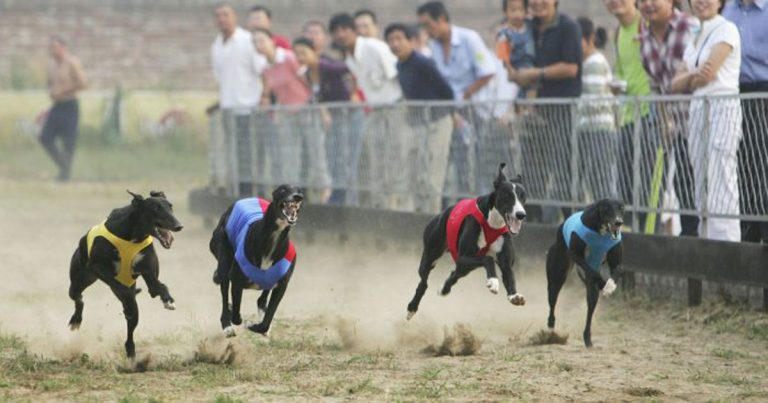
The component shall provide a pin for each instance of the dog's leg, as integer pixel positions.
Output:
(79, 280)
(78, 285)
(237, 299)
(226, 314)
(428, 258)
(274, 301)
(127, 297)
(506, 260)
(593, 293)
(224, 255)
(558, 266)
(149, 268)
(464, 266)
(261, 303)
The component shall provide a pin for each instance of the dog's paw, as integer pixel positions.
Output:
(516, 299)
(410, 315)
(610, 287)
(75, 326)
(493, 285)
(259, 328)
(169, 305)
(229, 331)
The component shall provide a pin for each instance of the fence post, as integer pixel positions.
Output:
(230, 135)
(575, 157)
(695, 285)
(636, 133)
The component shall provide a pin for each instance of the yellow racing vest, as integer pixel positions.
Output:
(126, 249)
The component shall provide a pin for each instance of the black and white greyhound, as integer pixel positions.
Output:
(253, 251)
(586, 238)
(478, 233)
(118, 251)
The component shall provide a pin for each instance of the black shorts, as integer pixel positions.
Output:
(62, 120)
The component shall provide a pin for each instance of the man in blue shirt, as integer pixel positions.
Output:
(751, 16)
(421, 81)
(468, 66)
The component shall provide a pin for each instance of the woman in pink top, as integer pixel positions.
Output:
(300, 127)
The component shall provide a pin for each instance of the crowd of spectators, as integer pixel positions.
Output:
(359, 71)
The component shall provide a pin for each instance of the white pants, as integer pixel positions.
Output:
(715, 148)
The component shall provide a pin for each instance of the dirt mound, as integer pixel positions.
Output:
(460, 341)
(543, 337)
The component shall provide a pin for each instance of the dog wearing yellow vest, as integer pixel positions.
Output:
(120, 250)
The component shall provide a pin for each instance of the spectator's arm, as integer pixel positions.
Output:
(265, 92)
(708, 71)
(476, 86)
(681, 84)
(483, 64)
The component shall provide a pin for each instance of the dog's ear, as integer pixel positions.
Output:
(500, 178)
(137, 198)
(157, 193)
(518, 179)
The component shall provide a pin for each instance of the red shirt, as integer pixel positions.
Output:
(464, 208)
(284, 80)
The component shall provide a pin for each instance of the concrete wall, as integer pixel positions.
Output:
(165, 43)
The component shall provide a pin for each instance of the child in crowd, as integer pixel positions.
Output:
(596, 123)
(515, 45)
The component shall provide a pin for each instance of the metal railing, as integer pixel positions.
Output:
(671, 154)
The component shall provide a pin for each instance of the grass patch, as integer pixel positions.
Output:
(428, 384)
(728, 354)
(544, 337)
(642, 391)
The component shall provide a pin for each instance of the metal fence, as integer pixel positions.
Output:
(702, 158)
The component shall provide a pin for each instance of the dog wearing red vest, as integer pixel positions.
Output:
(477, 233)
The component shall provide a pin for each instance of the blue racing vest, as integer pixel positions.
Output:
(597, 245)
(245, 212)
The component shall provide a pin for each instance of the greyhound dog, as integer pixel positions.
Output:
(478, 233)
(586, 238)
(253, 251)
(118, 251)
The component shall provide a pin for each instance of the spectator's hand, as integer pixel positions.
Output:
(458, 121)
(326, 119)
(527, 77)
(211, 109)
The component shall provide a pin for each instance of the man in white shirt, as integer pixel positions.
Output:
(237, 69)
(375, 70)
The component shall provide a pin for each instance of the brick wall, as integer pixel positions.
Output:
(165, 43)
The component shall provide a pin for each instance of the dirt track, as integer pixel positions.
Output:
(341, 331)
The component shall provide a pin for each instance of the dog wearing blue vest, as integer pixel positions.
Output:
(587, 238)
(118, 251)
(253, 251)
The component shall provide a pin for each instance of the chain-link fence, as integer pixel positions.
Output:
(697, 157)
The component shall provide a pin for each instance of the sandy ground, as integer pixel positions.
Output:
(340, 333)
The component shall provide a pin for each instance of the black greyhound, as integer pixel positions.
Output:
(478, 233)
(253, 251)
(118, 251)
(587, 239)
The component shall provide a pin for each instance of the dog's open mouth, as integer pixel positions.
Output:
(615, 230)
(290, 210)
(514, 225)
(164, 236)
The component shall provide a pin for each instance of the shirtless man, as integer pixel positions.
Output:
(65, 79)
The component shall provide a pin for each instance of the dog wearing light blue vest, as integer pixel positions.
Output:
(253, 250)
(587, 239)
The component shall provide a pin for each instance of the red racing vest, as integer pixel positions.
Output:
(464, 208)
